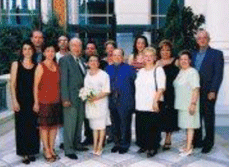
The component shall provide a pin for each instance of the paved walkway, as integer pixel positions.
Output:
(219, 157)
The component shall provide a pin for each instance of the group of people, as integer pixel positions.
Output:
(166, 93)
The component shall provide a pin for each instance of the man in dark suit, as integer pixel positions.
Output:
(210, 63)
(121, 100)
(72, 80)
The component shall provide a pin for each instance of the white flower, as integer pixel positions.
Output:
(86, 93)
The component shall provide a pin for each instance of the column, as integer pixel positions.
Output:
(59, 7)
(24, 4)
(134, 12)
(46, 10)
(73, 12)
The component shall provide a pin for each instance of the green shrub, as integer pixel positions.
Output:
(12, 37)
(181, 26)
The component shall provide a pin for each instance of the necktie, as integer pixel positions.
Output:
(82, 69)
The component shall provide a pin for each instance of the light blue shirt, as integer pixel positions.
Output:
(199, 59)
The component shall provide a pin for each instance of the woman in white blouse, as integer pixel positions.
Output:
(150, 85)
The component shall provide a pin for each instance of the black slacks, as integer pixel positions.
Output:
(207, 115)
(138, 129)
(150, 130)
(122, 127)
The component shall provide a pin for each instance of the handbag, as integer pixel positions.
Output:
(160, 103)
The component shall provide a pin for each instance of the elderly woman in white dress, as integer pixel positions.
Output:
(187, 84)
(97, 110)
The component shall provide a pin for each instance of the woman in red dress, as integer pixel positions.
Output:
(47, 101)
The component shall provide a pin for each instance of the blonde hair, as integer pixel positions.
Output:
(151, 50)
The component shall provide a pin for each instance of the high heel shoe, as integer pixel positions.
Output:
(55, 155)
(166, 146)
(32, 158)
(26, 160)
(48, 159)
(99, 152)
(186, 153)
(182, 149)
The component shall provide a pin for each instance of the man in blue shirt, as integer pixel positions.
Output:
(121, 100)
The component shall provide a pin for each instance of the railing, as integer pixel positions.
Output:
(3, 99)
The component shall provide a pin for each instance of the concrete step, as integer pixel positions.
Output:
(6, 121)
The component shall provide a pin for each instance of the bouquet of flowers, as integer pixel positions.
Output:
(86, 93)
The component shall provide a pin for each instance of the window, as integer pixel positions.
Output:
(18, 12)
(95, 11)
(158, 14)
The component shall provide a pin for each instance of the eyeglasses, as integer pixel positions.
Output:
(63, 40)
(199, 38)
(165, 50)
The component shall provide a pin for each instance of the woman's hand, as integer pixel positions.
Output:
(156, 107)
(94, 98)
(36, 107)
(192, 109)
(16, 106)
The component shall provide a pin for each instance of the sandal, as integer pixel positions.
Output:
(48, 159)
(26, 160)
(32, 158)
(55, 155)
(166, 146)
(186, 153)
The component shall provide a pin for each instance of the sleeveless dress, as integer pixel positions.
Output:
(169, 113)
(27, 133)
(50, 113)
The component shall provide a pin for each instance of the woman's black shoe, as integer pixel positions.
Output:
(26, 160)
(166, 146)
(151, 153)
(141, 150)
(32, 158)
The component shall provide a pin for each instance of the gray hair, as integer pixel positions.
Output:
(201, 30)
(75, 39)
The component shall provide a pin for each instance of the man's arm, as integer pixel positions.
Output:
(218, 72)
(64, 82)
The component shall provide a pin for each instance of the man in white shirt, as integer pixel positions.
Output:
(63, 50)
(63, 47)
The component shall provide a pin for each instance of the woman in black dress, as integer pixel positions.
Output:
(169, 114)
(22, 77)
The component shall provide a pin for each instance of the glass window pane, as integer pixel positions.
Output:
(154, 7)
(82, 6)
(111, 6)
(97, 7)
(154, 22)
(97, 20)
(111, 20)
(82, 20)
(163, 6)
(162, 21)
